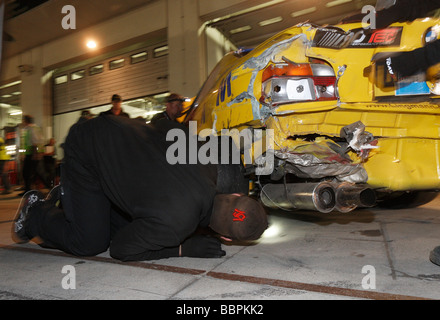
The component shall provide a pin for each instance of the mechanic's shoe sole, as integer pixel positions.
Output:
(18, 233)
(434, 256)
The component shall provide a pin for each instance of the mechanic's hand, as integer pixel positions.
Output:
(200, 246)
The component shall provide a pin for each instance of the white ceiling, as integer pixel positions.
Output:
(286, 13)
(42, 24)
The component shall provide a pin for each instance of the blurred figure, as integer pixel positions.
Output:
(173, 110)
(86, 115)
(32, 142)
(4, 157)
(116, 108)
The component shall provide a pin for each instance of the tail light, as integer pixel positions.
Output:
(291, 83)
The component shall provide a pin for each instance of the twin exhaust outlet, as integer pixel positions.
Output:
(323, 196)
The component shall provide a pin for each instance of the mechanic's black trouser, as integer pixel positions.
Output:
(128, 244)
(87, 223)
(81, 227)
(90, 228)
(84, 224)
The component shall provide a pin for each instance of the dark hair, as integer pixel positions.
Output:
(28, 119)
(175, 97)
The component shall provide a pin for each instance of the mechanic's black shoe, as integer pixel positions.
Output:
(18, 231)
(54, 195)
(434, 256)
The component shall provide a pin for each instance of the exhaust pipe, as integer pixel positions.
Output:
(323, 197)
(303, 196)
(351, 196)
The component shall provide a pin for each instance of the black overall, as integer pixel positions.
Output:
(116, 178)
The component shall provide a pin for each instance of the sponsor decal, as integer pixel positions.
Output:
(357, 38)
(431, 34)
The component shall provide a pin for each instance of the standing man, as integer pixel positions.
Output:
(116, 176)
(32, 144)
(116, 108)
(173, 109)
(3, 174)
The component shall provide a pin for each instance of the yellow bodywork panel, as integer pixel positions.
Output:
(406, 127)
(408, 153)
(405, 164)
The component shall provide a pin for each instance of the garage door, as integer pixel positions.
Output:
(134, 74)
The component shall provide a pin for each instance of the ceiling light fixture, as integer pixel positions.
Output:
(91, 44)
(270, 21)
(303, 12)
(336, 3)
(241, 29)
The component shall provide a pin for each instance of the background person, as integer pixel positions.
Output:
(173, 109)
(116, 108)
(4, 157)
(31, 141)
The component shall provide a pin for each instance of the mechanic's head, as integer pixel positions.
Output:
(175, 105)
(238, 217)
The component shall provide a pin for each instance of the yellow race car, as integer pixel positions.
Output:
(329, 132)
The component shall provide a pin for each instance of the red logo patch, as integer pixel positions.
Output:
(238, 215)
(385, 36)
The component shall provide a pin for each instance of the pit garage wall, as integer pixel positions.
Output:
(189, 46)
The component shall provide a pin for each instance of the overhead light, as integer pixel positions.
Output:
(16, 113)
(91, 44)
(241, 29)
(303, 12)
(11, 84)
(270, 21)
(248, 10)
(336, 3)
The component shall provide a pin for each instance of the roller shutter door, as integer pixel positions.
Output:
(135, 74)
